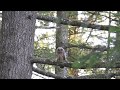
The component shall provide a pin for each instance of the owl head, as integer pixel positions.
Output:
(60, 50)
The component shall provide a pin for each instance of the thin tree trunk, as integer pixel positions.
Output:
(61, 40)
(17, 44)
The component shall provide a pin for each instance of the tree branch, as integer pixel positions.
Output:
(66, 64)
(97, 76)
(49, 62)
(98, 47)
(46, 27)
(74, 23)
(106, 17)
(47, 73)
(38, 75)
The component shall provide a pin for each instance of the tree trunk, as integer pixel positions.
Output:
(17, 44)
(62, 31)
(61, 40)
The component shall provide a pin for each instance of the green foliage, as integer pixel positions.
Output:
(88, 60)
(44, 52)
(114, 54)
(83, 58)
(80, 57)
(42, 49)
(117, 15)
(114, 29)
(72, 14)
(76, 64)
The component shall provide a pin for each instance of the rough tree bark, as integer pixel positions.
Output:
(61, 40)
(17, 44)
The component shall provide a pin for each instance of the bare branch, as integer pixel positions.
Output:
(38, 75)
(100, 48)
(49, 62)
(47, 73)
(106, 17)
(74, 23)
(93, 21)
(46, 27)
(97, 76)
(66, 64)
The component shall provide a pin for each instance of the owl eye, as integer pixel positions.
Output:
(60, 49)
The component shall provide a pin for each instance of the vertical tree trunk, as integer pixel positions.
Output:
(17, 44)
(61, 40)
(62, 31)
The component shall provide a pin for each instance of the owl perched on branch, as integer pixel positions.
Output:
(61, 54)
